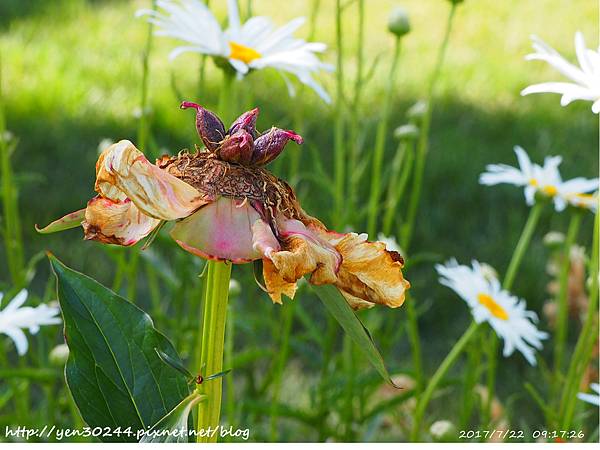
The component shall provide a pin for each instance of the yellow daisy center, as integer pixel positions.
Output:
(496, 310)
(550, 191)
(242, 53)
(533, 182)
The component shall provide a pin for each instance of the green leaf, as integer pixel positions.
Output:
(173, 428)
(113, 371)
(336, 304)
(71, 220)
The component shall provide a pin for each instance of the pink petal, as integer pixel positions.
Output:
(221, 230)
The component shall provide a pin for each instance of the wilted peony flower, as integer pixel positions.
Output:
(227, 206)
(544, 180)
(586, 77)
(254, 45)
(15, 317)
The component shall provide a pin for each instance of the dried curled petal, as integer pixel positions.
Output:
(221, 230)
(124, 172)
(303, 252)
(369, 272)
(237, 148)
(116, 222)
(268, 146)
(210, 128)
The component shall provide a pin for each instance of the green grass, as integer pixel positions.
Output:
(71, 74)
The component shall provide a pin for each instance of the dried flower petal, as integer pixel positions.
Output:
(210, 128)
(158, 194)
(368, 271)
(116, 222)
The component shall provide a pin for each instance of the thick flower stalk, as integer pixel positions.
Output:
(226, 206)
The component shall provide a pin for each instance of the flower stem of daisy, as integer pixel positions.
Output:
(355, 113)
(11, 222)
(378, 152)
(526, 235)
(509, 278)
(562, 299)
(438, 376)
(300, 107)
(212, 344)
(586, 341)
(423, 142)
(338, 133)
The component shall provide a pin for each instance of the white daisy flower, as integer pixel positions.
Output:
(16, 317)
(490, 303)
(253, 45)
(586, 77)
(594, 399)
(545, 180)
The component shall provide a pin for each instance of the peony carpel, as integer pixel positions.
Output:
(226, 206)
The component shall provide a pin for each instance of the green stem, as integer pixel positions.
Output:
(379, 151)
(300, 106)
(338, 136)
(585, 342)
(212, 343)
(10, 207)
(415, 343)
(355, 113)
(562, 299)
(509, 278)
(288, 320)
(438, 376)
(423, 143)
(401, 168)
(523, 244)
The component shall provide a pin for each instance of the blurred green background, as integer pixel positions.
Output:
(71, 72)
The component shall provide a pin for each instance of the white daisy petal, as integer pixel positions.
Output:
(585, 79)
(15, 318)
(544, 180)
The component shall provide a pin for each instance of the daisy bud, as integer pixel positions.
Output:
(554, 239)
(246, 121)
(417, 111)
(443, 430)
(398, 22)
(234, 288)
(210, 128)
(237, 148)
(270, 145)
(58, 355)
(407, 132)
